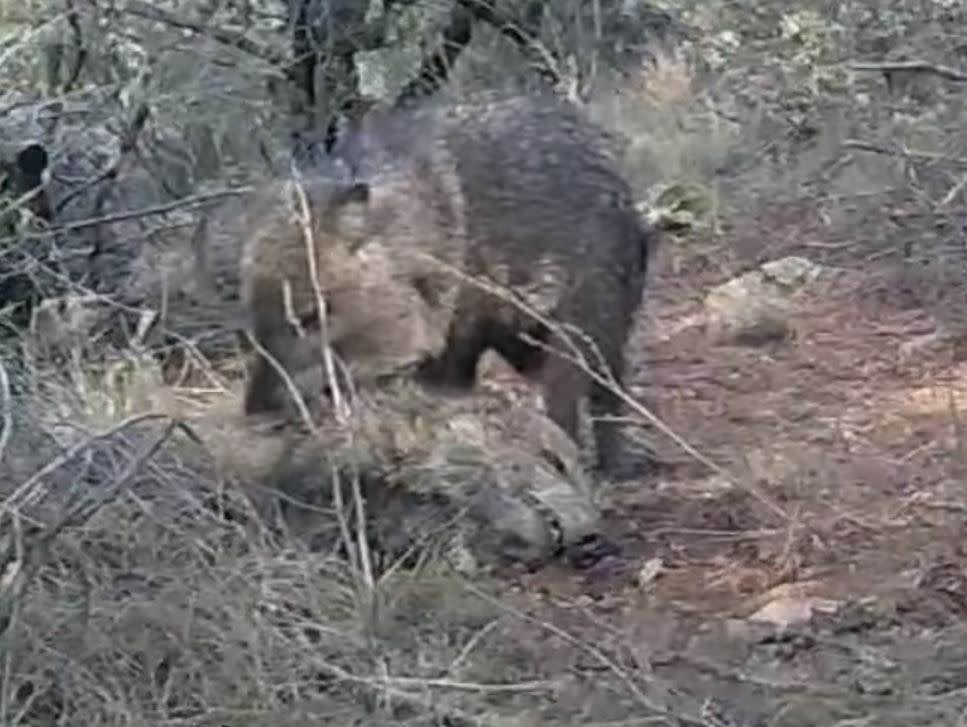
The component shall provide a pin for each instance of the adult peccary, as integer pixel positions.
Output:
(73, 172)
(495, 480)
(524, 193)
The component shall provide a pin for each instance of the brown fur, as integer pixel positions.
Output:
(524, 194)
(377, 321)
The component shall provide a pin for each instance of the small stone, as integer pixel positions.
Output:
(651, 571)
(756, 307)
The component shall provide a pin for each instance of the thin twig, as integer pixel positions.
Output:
(291, 387)
(80, 48)
(911, 153)
(945, 72)
(6, 418)
(452, 714)
(83, 511)
(20, 496)
(129, 140)
(27, 40)
(304, 217)
(590, 649)
(160, 209)
(226, 37)
(342, 410)
(607, 380)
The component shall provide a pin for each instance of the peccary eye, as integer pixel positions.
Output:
(555, 461)
(309, 320)
(557, 532)
(304, 323)
(299, 325)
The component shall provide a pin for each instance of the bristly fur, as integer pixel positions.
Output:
(538, 207)
(423, 461)
(523, 194)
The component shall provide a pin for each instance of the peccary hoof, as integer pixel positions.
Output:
(627, 468)
(589, 551)
(630, 461)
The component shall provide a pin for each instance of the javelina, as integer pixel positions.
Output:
(378, 319)
(496, 480)
(68, 161)
(526, 193)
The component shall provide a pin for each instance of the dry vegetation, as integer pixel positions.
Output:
(798, 559)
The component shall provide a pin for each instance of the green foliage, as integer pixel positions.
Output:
(680, 207)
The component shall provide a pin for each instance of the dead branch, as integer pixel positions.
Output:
(930, 156)
(129, 140)
(524, 37)
(160, 209)
(945, 72)
(436, 69)
(6, 418)
(314, 45)
(22, 553)
(80, 512)
(24, 493)
(230, 38)
(80, 48)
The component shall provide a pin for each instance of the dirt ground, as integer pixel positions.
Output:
(817, 579)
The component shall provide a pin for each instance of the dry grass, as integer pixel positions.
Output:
(194, 607)
(176, 602)
(173, 602)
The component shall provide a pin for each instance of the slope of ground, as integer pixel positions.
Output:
(820, 576)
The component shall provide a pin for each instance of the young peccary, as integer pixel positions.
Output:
(378, 323)
(538, 207)
(522, 193)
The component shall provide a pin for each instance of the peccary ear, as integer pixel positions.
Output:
(31, 163)
(352, 205)
(355, 193)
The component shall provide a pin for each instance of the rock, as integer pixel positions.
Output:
(756, 307)
(786, 611)
(792, 603)
(924, 347)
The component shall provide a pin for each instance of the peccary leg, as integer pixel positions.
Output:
(562, 388)
(262, 388)
(456, 367)
(564, 385)
(606, 404)
(614, 459)
(266, 390)
(526, 358)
